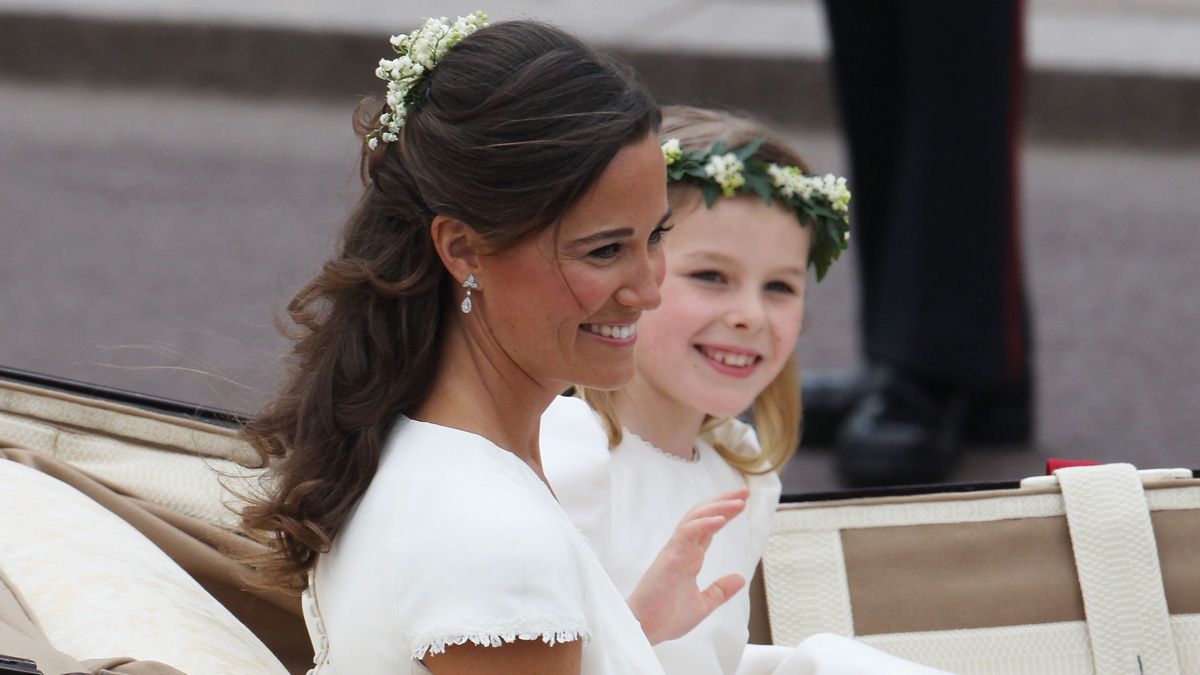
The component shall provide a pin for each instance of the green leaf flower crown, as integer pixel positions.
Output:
(418, 53)
(820, 201)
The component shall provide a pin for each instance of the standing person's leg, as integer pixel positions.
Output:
(867, 75)
(944, 315)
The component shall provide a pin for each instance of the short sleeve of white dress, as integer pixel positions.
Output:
(458, 541)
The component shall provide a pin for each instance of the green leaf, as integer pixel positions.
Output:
(761, 185)
(719, 148)
(743, 153)
(711, 192)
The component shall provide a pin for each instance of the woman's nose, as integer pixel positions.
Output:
(641, 289)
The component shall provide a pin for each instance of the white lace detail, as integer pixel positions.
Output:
(549, 630)
(308, 603)
(657, 450)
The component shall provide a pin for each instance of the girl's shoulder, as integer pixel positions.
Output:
(572, 438)
(739, 439)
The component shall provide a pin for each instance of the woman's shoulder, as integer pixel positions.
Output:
(451, 490)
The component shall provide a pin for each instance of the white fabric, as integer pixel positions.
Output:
(100, 589)
(457, 540)
(827, 654)
(1119, 574)
(629, 500)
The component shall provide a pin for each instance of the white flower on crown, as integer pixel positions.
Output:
(672, 152)
(836, 191)
(726, 170)
(790, 181)
(418, 53)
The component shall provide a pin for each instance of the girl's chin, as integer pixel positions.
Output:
(725, 408)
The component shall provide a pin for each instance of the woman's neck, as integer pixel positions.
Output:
(658, 419)
(479, 389)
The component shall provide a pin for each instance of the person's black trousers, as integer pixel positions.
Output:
(930, 94)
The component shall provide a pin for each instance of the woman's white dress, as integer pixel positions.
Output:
(457, 540)
(628, 501)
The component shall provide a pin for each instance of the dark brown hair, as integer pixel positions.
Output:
(516, 124)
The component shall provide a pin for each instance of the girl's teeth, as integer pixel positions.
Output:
(736, 360)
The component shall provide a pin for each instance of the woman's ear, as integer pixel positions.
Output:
(457, 245)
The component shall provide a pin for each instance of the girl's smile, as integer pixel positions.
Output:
(732, 361)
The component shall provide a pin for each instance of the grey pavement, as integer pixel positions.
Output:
(1117, 71)
(148, 243)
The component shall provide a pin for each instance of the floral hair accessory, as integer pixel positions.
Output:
(418, 53)
(820, 201)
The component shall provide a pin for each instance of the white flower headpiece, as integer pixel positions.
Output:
(820, 201)
(418, 53)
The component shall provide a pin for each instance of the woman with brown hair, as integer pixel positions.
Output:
(507, 240)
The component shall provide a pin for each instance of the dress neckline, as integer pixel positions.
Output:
(696, 454)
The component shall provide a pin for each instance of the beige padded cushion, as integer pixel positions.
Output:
(98, 587)
(183, 465)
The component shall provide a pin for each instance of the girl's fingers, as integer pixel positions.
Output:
(721, 590)
(728, 508)
(702, 528)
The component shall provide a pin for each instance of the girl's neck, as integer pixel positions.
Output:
(658, 419)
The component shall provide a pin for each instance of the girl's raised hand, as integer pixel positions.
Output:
(667, 601)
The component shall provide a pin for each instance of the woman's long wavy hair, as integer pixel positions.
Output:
(517, 123)
(777, 409)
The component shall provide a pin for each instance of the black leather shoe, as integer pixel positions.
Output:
(910, 430)
(902, 432)
(829, 396)
(994, 416)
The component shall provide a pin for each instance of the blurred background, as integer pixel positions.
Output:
(172, 170)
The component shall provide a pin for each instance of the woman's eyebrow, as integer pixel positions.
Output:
(619, 233)
(603, 235)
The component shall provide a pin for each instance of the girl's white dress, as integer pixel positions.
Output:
(628, 501)
(457, 540)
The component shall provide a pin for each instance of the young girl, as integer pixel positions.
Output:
(629, 464)
(507, 241)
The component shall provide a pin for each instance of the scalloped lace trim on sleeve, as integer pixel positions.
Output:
(551, 630)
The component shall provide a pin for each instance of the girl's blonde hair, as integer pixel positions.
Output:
(777, 413)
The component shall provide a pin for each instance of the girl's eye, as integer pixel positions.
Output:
(781, 287)
(659, 232)
(606, 252)
(711, 276)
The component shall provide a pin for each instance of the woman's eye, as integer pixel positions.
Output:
(708, 275)
(657, 235)
(606, 252)
(781, 287)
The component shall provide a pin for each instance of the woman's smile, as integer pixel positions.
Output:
(617, 334)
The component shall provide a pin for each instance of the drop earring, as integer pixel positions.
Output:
(471, 285)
